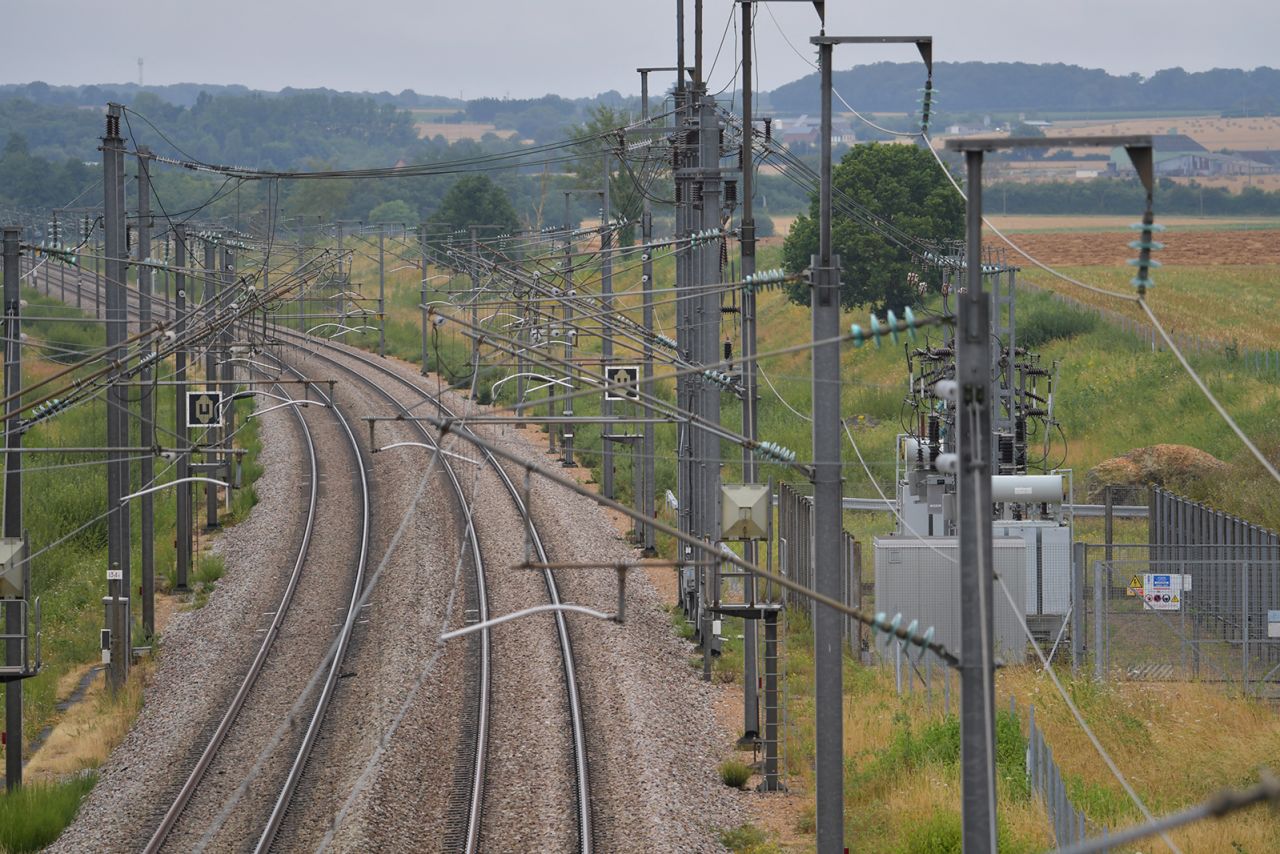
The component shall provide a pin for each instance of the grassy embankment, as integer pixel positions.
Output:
(64, 500)
(1114, 394)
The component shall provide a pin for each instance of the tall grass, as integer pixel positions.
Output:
(32, 816)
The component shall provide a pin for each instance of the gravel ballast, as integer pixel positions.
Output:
(652, 734)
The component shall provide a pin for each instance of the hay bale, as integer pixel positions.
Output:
(1175, 467)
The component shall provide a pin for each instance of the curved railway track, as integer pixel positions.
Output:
(469, 802)
(161, 834)
(580, 776)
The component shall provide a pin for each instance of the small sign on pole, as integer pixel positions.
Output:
(627, 380)
(204, 408)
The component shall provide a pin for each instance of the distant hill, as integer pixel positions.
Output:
(1048, 88)
(185, 94)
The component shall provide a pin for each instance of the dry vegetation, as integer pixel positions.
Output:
(1213, 132)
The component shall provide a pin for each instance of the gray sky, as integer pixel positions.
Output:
(525, 48)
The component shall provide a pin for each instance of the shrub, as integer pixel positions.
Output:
(938, 834)
(746, 839)
(734, 773)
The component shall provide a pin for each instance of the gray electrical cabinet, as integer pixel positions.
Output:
(1048, 563)
(920, 579)
(14, 574)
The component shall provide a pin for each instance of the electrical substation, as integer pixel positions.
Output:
(613, 340)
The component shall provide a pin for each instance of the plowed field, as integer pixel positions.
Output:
(1184, 248)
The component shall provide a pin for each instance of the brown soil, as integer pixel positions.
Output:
(1182, 248)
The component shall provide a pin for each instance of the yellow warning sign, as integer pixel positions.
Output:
(1135, 586)
(1175, 598)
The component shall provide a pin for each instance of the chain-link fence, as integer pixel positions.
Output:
(1181, 612)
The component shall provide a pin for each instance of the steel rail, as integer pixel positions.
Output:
(579, 759)
(179, 804)
(312, 733)
(475, 796)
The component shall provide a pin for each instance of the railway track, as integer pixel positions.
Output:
(475, 786)
(175, 810)
(465, 820)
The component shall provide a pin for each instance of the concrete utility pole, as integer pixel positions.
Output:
(146, 399)
(606, 331)
(708, 194)
(646, 495)
(973, 427)
(750, 698)
(119, 618)
(827, 495)
(184, 520)
(13, 610)
(210, 303)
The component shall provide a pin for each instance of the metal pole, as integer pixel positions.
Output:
(146, 400)
(750, 698)
(1244, 628)
(771, 709)
(210, 292)
(707, 333)
(118, 539)
(62, 266)
(97, 274)
(83, 237)
(973, 416)
(422, 241)
(606, 331)
(646, 495)
(827, 511)
(475, 306)
(382, 291)
(13, 611)
(566, 432)
(184, 520)
(228, 276)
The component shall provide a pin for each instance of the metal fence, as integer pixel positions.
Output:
(1046, 781)
(1185, 612)
(795, 560)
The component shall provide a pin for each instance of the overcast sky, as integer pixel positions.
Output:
(525, 48)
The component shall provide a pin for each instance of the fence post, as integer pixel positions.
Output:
(1244, 626)
(1078, 607)
(1098, 603)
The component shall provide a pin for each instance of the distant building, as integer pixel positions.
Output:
(803, 130)
(1177, 155)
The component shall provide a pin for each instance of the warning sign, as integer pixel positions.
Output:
(627, 378)
(1163, 592)
(204, 408)
(1135, 586)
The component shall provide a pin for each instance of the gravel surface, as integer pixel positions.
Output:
(202, 658)
(653, 739)
(319, 605)
(654, 743)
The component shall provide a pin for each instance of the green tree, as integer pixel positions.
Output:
(396, 210)
(900, 184)
(626, 198)
(476, 200)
